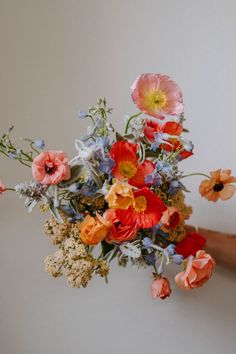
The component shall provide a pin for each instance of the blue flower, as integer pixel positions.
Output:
(82, 114)
(178, 258)
(74, 188)
(170, 249)
(39, 143)
(160, 138)
(175, 186)
(150, 258)
(147, 242)
(153, 178)
(164, 167)
(106, 166)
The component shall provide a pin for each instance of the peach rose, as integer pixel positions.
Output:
(118, 231)
(197, 272)
(51, 167)
(171, 217)
(94, 229)
(160, 288)
(2, 187)
(120, 196)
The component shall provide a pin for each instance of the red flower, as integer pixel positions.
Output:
(191, 244)
(118, 231)
(147, 211)
(126, 164)
(171, 128)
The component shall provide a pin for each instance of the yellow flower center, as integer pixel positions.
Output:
(157, 99)
(140, 204)
(127, 169)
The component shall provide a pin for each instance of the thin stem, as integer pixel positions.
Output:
(196, 174)
(10, 189)
(129, 120)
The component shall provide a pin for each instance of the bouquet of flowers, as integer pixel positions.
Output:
(122, 196)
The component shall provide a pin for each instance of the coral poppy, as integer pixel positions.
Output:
(197, 272)
(51, 167)
(127, 166)
(218, 186)
(146, 212)
(192, 243)
(118, 231)
(171, 217)
(156, 95)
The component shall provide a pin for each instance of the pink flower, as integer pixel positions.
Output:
(160, 288)
(51, 167)
(2, 187)
(197, 272)
(156, 95)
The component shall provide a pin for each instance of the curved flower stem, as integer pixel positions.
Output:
(129, 120)
(196, 174)
(10, 189)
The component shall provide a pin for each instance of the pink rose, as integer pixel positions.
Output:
(197, 272)
(2, 187)
(51, 167)
(160, 288)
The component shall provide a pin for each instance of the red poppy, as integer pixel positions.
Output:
(147, 211)
(127, 166)
(118, 231)
(191, 244)
(171, 128)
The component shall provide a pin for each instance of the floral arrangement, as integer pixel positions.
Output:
(122, 196)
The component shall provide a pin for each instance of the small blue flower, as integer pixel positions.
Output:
(147, 242)
(82, 114)
(170, 249)
(164, 167)
(175, 186)
(150, 258)
(153, 178)
(39, 143)
(178, 258)
(75, 218)
(74, 188)
(106, 166)
(160, 138)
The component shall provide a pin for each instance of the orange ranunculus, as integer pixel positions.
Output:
(197, 272)
(118, 231)
(120, 196)
(218, 186)
(127, 166)
(94, 229)
(171, 217)
(160, 288)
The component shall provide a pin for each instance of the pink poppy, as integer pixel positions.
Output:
(157, 95)
(51, 167)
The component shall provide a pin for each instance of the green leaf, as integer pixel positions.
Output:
(106, 248)
(55, 213)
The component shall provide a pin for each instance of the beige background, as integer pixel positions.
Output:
(58, 57)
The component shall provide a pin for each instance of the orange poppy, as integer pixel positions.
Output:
(218, 186)
(127, 166)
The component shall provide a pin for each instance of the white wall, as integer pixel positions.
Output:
(58, 56)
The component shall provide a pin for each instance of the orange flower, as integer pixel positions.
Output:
(118, 231)
(120, 196)
(94, 229)
(171, 217)
(160, 288)
(127, 166)
(218, 186)
(197, 272)
(146, 212)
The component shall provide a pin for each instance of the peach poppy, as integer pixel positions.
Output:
(120, 196)
(156, 95)
(147, 210)
(51, 167)
(118, 231)
(2, 187)
(127, 166)
(160, 288)
(218, 186)
(197, 272)
(93, 229)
